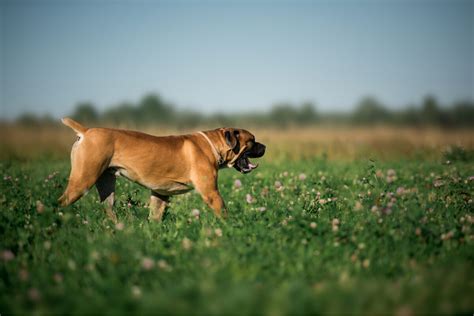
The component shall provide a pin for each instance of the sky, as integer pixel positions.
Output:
(225, 56)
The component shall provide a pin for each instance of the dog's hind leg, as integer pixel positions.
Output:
(106, 187)
(158, 205)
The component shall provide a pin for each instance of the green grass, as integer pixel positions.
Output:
(376, 248)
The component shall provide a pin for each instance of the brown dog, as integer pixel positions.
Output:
(166, 165)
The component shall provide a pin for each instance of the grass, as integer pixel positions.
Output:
(358, 235)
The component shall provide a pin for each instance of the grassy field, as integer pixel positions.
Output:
(351, 221)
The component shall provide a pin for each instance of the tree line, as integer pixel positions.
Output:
(152, 110)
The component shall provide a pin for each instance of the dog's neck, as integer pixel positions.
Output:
(217, 155)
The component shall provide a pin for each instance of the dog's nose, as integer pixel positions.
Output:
(257, 151)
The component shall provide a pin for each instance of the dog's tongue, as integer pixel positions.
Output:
(249, 166)
(252, 166)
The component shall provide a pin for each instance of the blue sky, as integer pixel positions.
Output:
(233, 56)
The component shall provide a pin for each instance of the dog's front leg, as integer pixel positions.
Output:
(209, 193)
(157, 206)
(215, 201)
(106, 188)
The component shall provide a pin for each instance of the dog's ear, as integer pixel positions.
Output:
(231, 137)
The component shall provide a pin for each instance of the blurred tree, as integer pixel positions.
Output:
(125, 113)
(283, 114)
(369, 111)
(220, 119)
(409, 116)
(28, 120)
(430, 111)
(462, 114)
(153, 109)
(188, 119)
(307, 114)
(85, 112)
(32, 120)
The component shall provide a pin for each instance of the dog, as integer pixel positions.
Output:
(167, 165)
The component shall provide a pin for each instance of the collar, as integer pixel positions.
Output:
(219, 159)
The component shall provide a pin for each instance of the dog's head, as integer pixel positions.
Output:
(241, 146)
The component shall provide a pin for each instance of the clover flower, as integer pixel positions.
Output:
(47, 245)
(39, 207)
(147, 263)
(249, 198)
(23, 274)
(391, 176)
(186, 243)
(34, 295)
(401, 191)
(58, 277)
(195, 213)
(7, 255)
(366, 263)
(136, 291)
(358, 206)
(237, 184)
(447, 235)
(278, 186)
(163, 265)
(335, 224)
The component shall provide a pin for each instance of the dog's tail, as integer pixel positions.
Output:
(78, 128)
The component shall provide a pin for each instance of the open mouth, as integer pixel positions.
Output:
(244, 165)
